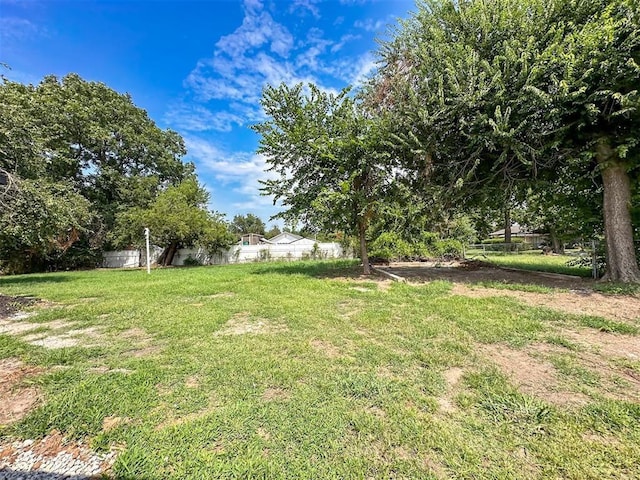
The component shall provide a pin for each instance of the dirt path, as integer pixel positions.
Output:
(579, 299)
(582, 302)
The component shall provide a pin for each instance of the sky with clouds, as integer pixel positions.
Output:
(199, 67)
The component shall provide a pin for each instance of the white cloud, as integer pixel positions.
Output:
(302, 5)
(258, 53)
(196, 118)
(13, 29)
(355, 71)
(258, 28)
(343, 41)
(370, 25)
(241, 170)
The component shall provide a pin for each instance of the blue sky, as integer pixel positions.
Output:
(198, 67)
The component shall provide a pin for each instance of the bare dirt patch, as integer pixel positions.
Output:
(473, 272)
(611, 345)
(579, 299)
(242, 323)
(532, 374)
(221, 295)
(452, 378)
(113, 422)
(326, 348)
(141, 342)
(275, 393)
(54, 339)
(533, 368)
(10, 305)
(192, 382)
(580, 302)
(17, 396)
(53, 334)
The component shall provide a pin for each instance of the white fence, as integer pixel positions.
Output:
(121, 259)
(236, 254)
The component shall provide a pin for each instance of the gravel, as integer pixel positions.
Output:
(52, 458)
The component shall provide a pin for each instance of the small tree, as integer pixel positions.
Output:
(177, 217)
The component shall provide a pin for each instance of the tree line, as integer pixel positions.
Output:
(82, 169)
(493, 104)
(478, 109)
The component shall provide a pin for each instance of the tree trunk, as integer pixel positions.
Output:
(622, 265)
(507, 226)
(171, 252)
(364, 255)
(166, 257)
(558, 246)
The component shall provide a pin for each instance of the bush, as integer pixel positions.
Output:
(391, 246)
(264, 255)
(191, 262)
(449, 248)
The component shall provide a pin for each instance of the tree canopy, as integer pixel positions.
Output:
(74, 145)
(178, 217)
(249, 223)
(500, 95)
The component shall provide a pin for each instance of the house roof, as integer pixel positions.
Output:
(517, 230)
(283, 236)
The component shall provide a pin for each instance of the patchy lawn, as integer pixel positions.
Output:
(309, 370)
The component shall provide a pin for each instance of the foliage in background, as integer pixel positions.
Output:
(249, 223)
(392, 246)
(77, 146)
(39, 222)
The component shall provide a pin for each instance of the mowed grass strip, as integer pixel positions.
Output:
(538, 262)
(306, 370)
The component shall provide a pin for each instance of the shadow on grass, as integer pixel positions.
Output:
(486, 274)
(33, 278)
(314, 269)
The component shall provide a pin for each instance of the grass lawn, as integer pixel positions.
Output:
(537, 262)
(304, 370)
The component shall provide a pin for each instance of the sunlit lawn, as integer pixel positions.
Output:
(293, 371)
(533, 261)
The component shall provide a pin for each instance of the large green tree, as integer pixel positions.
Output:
(90, 140)
(330, 164)
(39, 222)
(490, 96)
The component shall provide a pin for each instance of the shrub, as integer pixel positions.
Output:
(391, 246)
(191, 262)
(264, 255)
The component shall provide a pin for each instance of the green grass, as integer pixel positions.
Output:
(340, 378)
(538, 262)
(518, 287)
